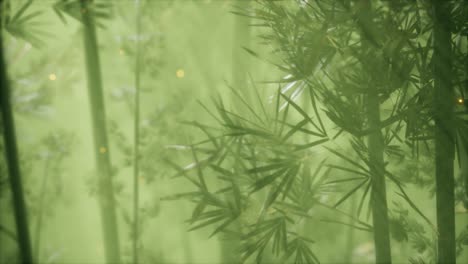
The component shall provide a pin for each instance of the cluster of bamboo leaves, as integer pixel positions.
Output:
(379, 81)
(374, 78)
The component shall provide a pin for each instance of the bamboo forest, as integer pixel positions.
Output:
(233, 131)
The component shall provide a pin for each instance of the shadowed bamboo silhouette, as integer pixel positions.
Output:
(462, 139)
(376, 154)
(444, 132)
(465, 143)
(11, 153)
(101, 146)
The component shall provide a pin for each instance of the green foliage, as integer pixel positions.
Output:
(322, 56)
(21, 23)
(100, 10)
(284, 166)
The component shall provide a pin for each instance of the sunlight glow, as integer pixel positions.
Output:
(52, 77)
(180, 73)
(460, 100)
(102, 150)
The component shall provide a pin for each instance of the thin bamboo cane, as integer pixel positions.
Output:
(101, 146)
(378, 191)
(12, 158)
(376, 158)
(444, 132)
(38, 230)
(136, 132)
(350, 235)
(464, 148)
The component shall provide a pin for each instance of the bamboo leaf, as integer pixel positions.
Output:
(351, 192)
(310, 145)
(302, 112)
(265, 181)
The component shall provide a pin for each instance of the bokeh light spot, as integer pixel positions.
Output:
(180, 73)
(52, 77)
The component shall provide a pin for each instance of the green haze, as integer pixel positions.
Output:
(234, 131)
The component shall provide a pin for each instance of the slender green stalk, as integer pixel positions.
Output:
(464, 172)
(376, 147)
(101, 147)
(464, 165)
(349, 246)
(136, 132)
(240, 65)
(463, 146)
(37, 231)
(444, 132)
(378, 191)
(12, 158)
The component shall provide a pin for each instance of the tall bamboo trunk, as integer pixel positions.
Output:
(12, 159)
(463, 156)
(464, 143)
(136, 134)
(444, 132)
(378, 191)
(101, 147)
(376, 148)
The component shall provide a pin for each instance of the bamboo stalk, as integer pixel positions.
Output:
(376, 147)
(464, 170)
(378, 191)
(136, 129)
(350, 235)
(37, 231)
(101, 147)
(444, 132)
(464, 148)
(12, 159)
